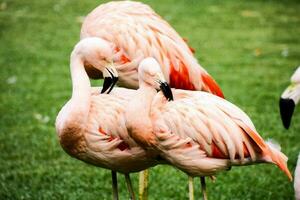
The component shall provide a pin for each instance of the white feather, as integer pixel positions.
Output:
(273, 144)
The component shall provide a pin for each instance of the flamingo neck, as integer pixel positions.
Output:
(81, 85)
(138, 115)
(81, 90)
(75, 112)
(145, 95)
(72, 119)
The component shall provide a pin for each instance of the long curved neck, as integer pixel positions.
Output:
(138, 115)
(81, 92)
(74, 114)
(72, 118)
(145, 95)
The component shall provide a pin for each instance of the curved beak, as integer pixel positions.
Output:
(164, 87)
(110, 75)
(287, 107)
(287, 103)
(166, 90)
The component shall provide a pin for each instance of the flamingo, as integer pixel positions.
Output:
(199, 133)
(297, 179)
(289, 99)
(133, 31)
(91, 126)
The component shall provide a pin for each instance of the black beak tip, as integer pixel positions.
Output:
(166, 90)
(106, 84)
(287, 107)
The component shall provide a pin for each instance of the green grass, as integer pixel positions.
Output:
(251, 48)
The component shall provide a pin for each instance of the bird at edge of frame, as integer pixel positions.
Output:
(297, 179)
(289, 99)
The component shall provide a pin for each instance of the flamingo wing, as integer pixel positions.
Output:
(138, 32)
(218, 129)
(108, 142)
(106, 131)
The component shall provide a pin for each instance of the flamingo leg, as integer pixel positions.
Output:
(203, 187)
(129, 187)
(114, 185)
(191, 188)
(143, 184)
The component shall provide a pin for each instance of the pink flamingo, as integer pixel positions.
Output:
(91, 127)
(133, 31)
(199, 133)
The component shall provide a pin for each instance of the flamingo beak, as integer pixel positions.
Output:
(161, 84)
(287, 107)
(288, 100)
(166, 90)
(110, 75)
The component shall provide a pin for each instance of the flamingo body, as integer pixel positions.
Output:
(103, 140)
(202, 134)
(91, 127)
(135, 32)
(200, 145)
(198, 132)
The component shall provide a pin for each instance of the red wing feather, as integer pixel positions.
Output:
(211, 86)
(180, 79)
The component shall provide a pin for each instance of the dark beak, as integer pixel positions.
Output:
(166, 90)
(109, 83)
(287, 107)
(106, 84)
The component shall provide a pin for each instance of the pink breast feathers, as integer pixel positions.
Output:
(122, 146)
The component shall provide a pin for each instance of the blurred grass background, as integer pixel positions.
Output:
(250, 48)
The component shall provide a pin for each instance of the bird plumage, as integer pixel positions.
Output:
(131, 130)
(135, 32)
(210, 133)
(91, 127)
(103, 139)
(198, 132)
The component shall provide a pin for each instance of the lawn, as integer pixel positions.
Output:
(250, 48)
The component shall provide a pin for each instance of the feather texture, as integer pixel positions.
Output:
(202, 134)
(135, 31)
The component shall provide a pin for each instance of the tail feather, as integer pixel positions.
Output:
(270, 151)
(279, 159)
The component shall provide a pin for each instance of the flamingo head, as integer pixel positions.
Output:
(289, 99)
(97, 56)
(287, 103)
(149, 72)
